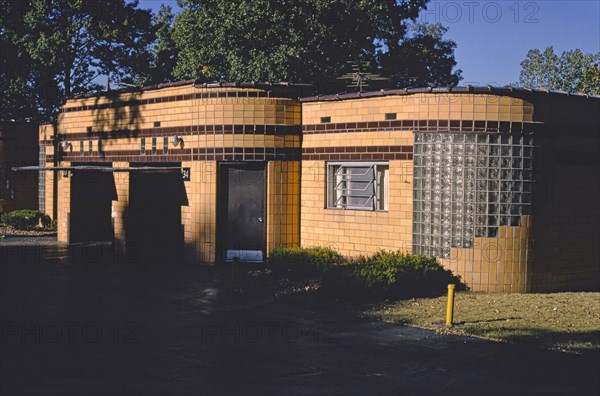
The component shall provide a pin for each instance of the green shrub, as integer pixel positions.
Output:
(381, 275)
(389, 275)
(302, 262)
(25, 219)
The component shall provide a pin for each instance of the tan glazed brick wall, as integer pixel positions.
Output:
(359, 131)
(496, 264)
(553, 247)
(425, 106)
(355, 232)
(215, 124)
(283, 204)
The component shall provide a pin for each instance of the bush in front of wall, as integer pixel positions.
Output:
(382, 275)
(25, 219)
(388, 274)
(309, 262)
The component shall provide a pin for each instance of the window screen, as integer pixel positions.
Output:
(357, 185)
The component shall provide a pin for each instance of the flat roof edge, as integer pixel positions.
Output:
(468, 89)
(194, 83)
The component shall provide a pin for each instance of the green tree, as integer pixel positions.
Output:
(17, 80)
(303, 41)
(163, 50)
(62, 46)
(572, 71)
(423, 58)
(590, 82)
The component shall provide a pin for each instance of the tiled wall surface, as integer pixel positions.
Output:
(362, 130)
(223, 123)
(566, 252)
(425, 106)
(355, 232)
(50, 204)
(220, 128)
(200, 216)
(119, 207)
(182, 108)
(497, 264)
(63, 206)
(297, 140)
(283, 204)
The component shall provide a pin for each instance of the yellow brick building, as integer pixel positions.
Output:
(500, 184)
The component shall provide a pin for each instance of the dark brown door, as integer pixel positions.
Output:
(242, 217)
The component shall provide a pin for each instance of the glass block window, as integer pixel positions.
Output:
(357, 185)
(466, 186)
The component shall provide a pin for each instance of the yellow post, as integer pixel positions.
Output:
(450, 308)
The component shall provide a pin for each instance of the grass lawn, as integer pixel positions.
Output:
(567, 321)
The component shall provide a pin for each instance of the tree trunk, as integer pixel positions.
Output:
(67, 82)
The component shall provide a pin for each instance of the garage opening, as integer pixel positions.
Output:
(92, 193)
(154, 230)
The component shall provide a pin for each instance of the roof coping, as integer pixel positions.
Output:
(489, 89)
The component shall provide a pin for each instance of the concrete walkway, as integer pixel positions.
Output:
(74, 322)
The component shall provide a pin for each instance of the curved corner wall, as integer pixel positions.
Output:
(459, 184)
(195, 127)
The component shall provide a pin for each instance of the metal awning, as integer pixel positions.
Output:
(96, 168)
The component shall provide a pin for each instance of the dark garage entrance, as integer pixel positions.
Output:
(153, 230)
(241, 211)
(92, 193)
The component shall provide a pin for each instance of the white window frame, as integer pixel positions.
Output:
(336, 192)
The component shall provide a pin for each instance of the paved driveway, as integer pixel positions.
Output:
(74, 322)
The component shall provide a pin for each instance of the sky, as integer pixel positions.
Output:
(493, 37)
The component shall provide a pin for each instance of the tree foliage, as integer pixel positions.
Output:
(52, 49)
(163, 51)
(306, 41)
(572, 71)
(424, 58)
(58, 47)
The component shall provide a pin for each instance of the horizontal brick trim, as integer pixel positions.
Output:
(277, 130)
(357, 153)
(481, 126)
(179, 98)
(195, 154)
